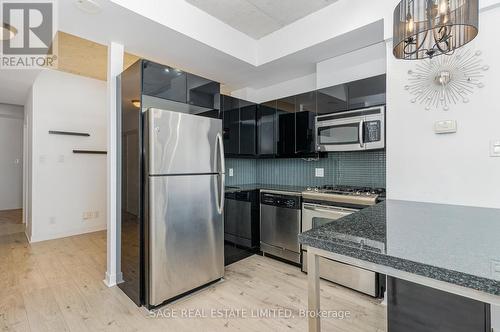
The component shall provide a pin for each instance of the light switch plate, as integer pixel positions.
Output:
(445, 127)
(231, 172)
(495, 148)
(320, 172)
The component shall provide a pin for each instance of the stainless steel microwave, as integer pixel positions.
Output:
(358, 130)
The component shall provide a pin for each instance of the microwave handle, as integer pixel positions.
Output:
(361, 129)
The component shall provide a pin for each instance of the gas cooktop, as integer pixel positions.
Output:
(345, 194)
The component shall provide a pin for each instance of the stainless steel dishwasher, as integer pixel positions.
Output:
(280, 224)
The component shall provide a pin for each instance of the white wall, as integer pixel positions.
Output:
(64, 184)
(366, 62)
(454, 168)
(11, 156)
(287, 88)
(363, 63)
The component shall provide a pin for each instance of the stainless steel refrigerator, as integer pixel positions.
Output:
(184, 186)
(171, 183)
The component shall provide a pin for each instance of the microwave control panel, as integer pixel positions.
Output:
(372, 131)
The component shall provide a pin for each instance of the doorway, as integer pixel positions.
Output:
(11, 168)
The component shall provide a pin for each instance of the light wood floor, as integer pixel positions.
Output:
(57, 286)
(11, 222)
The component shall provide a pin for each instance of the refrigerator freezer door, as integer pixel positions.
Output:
(186, 234)
(182, 143)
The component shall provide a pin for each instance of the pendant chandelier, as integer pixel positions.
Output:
(8, 32)
(428, 28)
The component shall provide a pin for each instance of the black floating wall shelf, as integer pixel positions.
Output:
(90, 152)
(68, 133)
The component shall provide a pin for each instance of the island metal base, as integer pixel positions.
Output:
(313, 278)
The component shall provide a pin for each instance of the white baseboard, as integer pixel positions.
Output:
(73, 232)
(111, 280)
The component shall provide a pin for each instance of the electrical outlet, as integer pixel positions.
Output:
(52, 220)
(231, 172)
(60, 158)
(87, 215)
(320, 172)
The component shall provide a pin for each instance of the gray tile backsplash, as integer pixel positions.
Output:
(366, 168)
(245, 171)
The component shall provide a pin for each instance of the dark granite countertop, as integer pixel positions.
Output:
(275, 187)
(455, 244)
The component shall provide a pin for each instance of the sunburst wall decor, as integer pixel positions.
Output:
(439, 82)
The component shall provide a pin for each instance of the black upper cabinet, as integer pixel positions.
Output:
(333, 99)
(367, 92)
(286, 126)
(203, 92)
(353, 95)
(248, 128)
(231, 125)
(266, 130)
(240, 127)
(295, 116)
(164, 82)
(305, 113)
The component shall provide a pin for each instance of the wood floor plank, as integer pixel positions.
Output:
(12, 311)
(57, 286)
(43, 312)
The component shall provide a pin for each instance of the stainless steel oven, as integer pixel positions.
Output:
(362, 129)
(316, 215)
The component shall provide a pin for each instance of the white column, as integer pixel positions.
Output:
(115, 67)
(313, 291)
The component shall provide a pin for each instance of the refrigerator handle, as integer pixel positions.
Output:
(221, 173)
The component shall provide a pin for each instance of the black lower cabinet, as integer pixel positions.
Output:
(416, 308)
(241, 225)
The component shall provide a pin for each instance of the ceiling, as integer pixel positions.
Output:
(84, 57)
(75, 55)
(258, 18)
(162, 44)
(16, 84)
(86, 34)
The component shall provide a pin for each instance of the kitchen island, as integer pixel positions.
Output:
(455, 249)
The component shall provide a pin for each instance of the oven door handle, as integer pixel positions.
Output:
(361, 129)
(328, 210)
